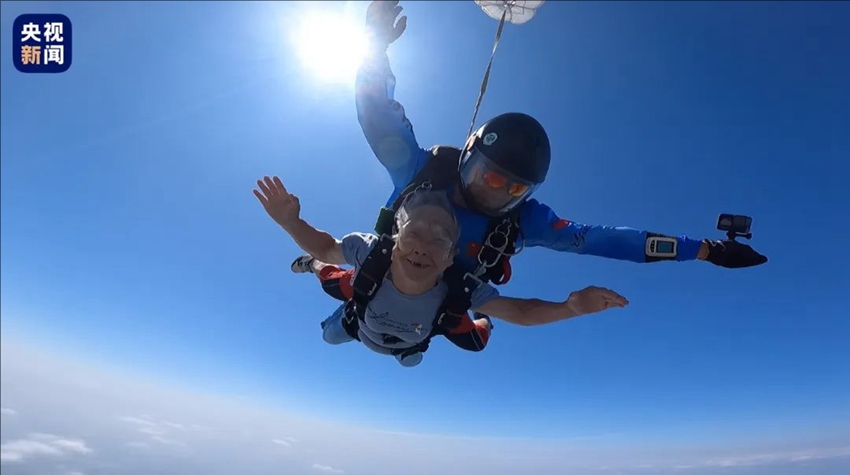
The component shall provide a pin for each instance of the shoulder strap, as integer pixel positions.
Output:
(458, 299)
(371, 274)
(460, 286)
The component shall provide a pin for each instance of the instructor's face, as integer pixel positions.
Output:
(425, 244)
(486, 194)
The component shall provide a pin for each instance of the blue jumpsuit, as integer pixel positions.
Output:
(390, 135)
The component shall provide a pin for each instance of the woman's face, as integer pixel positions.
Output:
(425, 243)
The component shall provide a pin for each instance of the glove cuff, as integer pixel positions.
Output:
(715, 249)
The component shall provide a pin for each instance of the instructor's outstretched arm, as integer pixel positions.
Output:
(541, 227)
(382, 118)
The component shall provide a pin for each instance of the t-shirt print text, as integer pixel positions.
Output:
(383, 319)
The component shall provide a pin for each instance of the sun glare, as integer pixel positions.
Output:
(330, 46)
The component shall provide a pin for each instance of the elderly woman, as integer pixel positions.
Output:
(401, 316)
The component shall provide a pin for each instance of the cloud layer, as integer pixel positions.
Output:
(37, 445)
(61, 418)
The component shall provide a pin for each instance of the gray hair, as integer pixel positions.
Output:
(423, 197)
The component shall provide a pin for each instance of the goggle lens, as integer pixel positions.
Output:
(497, 180)
(517, 189)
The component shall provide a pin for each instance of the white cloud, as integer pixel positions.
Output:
(174, 425)
(287, 442)
(163, 440)
(776, 457)
(10, 456)
(152, 431)
(36, 445)
(107, 423)
(72, 446)
(7, 411)
(22, 448)
(325, 468)
(138, 421)
(160, 431)
(42, 437)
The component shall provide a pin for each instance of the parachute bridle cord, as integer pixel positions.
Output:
(514, 11)
(489, 65)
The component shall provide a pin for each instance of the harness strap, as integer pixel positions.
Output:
(371, 274)
(367, 282)
(499, 246)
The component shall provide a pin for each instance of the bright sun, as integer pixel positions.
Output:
(330, 45)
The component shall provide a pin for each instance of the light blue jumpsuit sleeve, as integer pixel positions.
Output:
(384, 122)
(541, 227)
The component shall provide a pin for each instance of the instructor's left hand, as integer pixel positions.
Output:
(733, 254)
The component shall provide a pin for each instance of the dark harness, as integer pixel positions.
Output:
(439, 173)
(369, 279)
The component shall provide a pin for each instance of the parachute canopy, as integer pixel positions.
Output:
(515, 11)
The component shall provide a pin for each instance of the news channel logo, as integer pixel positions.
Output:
(42, 43)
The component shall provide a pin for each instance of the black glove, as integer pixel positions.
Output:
(381, 23)
(733, 254)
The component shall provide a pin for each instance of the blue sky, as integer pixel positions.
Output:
(131, 239)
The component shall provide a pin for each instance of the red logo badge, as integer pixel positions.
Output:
(561, 224)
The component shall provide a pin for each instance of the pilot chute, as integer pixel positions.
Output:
(513, 11)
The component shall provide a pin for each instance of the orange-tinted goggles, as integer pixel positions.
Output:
(497, 180)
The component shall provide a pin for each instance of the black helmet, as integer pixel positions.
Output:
(510, 150)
